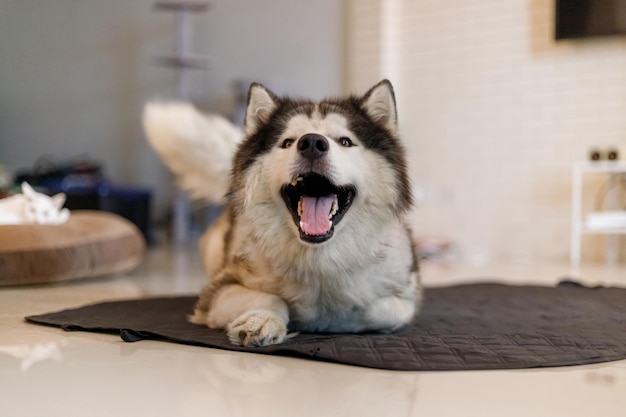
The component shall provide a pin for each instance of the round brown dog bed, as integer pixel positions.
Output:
(91, 243)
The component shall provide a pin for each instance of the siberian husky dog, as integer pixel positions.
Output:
(313, 236)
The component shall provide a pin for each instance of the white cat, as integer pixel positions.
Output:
(32, 207)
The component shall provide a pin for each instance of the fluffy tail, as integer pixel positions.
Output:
(197, 148)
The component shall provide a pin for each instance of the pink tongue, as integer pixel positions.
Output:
(315, 212)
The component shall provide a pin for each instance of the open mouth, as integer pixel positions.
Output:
(316, 205)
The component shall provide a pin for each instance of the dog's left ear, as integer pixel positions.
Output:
(380, 104)
(261, 104)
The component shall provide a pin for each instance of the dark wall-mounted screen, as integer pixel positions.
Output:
(583, 18)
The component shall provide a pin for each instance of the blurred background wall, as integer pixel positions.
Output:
(74, 74)
(493, 110)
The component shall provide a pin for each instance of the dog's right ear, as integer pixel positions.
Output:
(261, 104)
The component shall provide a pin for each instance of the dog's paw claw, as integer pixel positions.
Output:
(257, 328)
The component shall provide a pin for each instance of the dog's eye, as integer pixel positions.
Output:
(287, 143)
(346, 142)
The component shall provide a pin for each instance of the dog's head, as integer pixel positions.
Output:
(320, 166)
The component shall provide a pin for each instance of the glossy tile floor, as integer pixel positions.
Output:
(47, 372)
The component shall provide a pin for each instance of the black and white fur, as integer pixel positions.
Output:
(271, 270)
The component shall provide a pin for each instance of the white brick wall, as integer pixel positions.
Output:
(494, 113)
(363, 44)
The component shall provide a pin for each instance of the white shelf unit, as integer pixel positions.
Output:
(579, 228)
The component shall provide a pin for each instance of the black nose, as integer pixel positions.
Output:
(312, 146)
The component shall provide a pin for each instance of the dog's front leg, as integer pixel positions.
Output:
(250, 317)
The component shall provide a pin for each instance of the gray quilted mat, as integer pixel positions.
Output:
(480, 326)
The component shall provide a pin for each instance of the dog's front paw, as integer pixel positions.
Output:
(257, 328)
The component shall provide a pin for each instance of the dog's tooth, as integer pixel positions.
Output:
(300, 208)
(296, 180)
(334, 208)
